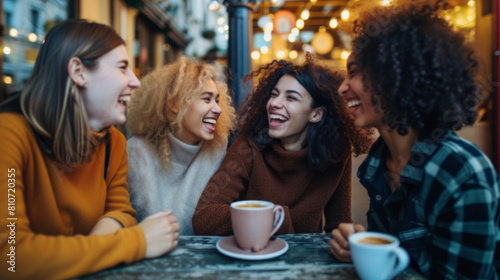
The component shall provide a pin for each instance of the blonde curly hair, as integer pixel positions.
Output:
(176, 84)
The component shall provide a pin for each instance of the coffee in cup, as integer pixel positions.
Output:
(250, 205)
(377, 256)
(374, 241)
(254, 222)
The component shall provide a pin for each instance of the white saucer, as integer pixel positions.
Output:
(227, 246)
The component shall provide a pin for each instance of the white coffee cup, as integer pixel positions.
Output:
(377, 256)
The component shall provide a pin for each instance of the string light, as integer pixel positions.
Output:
(32, 37)
(300, 23)
(345, 54)
(280, 54)
(264, 49)
(7, 80)
(333, 23)
(345, 14)
(291, 38)
(213, 6)
(295, 31)
(293, 54)
(6, 50)
(13, 32)
(305, 14)
(255, 55)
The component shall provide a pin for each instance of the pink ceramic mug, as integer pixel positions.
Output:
(254, 222)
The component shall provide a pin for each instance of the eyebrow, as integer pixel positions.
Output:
(289, 91)
(211, 94)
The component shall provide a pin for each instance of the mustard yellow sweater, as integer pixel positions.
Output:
(56, 208)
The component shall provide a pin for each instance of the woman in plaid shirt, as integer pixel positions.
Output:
(411, 77)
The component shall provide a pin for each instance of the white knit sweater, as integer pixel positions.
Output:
(153, 189)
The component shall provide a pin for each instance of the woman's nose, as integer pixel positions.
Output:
(276, 102)
(133, 81)
(216, 109)
(344, 87)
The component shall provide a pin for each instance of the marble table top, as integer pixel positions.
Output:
(196, 257)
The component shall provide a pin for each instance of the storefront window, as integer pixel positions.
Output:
(27, 22)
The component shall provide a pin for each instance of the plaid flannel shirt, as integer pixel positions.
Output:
(445, 211)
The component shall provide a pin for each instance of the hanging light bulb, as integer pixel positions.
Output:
(300, 23)
(213, 6)
(305, 14)
(334, 23)
(13, 32)
(345, 14)
(32, 37)
(255, 55)
(221, 20)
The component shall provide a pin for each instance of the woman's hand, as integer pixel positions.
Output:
(161, 231)
(339, 244)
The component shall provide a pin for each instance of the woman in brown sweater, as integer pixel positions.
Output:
(294, 149)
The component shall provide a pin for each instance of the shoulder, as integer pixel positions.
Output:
(14, 120)
(141, 151)
(15, 125)
(458, 161)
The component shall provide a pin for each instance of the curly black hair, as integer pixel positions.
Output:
(420, 69)
(328, 141)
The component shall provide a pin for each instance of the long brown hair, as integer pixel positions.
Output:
(51, 101)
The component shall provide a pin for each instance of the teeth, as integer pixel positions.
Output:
(124, 99)
(212, 121)
(353, 103)
(277, 117)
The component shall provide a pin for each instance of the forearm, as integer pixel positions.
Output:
(105, 226)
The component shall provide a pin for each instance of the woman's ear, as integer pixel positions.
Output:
(76, 71)
(316, 114)
(172, 107)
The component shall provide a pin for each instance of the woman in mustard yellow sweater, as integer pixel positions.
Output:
(64, 204)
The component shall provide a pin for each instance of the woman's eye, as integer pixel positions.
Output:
(274, 94)
(217, 101)
(291, 98)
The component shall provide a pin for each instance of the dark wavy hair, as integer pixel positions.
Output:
(328, 141)
(420, 71)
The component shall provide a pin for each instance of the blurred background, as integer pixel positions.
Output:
(240, 35)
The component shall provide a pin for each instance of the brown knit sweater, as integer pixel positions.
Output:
(281, 177)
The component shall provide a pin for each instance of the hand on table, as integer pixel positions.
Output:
(339, 244)
(161, 231)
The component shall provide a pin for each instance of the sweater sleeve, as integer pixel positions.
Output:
(212, 215)
(43, 256)
(338, 208)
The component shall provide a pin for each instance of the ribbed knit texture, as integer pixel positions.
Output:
(153, 188)
(278, 176)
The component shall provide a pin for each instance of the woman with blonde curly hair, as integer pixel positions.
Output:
(180, 121)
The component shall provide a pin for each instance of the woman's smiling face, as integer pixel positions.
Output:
(359, 98)
(289, 112)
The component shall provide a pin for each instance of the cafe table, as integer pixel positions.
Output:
(196, 257)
